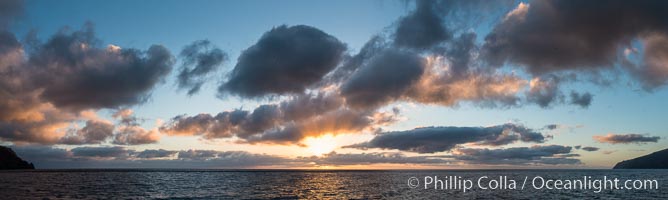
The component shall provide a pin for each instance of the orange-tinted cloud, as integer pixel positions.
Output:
(625, 138)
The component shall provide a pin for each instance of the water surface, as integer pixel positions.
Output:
(298, 184)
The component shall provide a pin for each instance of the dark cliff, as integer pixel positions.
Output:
(9, 160)
(656, 160)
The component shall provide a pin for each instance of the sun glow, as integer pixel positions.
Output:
(320, 145)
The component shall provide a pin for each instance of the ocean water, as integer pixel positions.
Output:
(299, 184)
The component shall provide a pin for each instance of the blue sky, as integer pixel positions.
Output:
(622, 107)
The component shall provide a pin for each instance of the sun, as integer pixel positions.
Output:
(320, 145)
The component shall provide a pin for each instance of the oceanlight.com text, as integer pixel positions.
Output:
(466, 184)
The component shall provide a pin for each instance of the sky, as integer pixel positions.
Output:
(333, 84)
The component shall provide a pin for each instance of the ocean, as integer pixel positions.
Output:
(330, 184)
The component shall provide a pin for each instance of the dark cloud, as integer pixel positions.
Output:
(286, 59)
(351, 63)
(37, 153)
(199, 60)
(197, 154)
(434, 22)
(101, 152)
(95, 132)
(551, 126)
(205, 124)
(230, 158)
(654, 70)
(383, 79)
(242, 159)
(544, 91)
(538, 155)
(422, 28)
(590, 148)
(155, 153)
(382, 71)
(437, 139)
(306, 106)
(553, 36)
(459, 53)
(9, 47)
(583, 100)
(626, 138)
(76, 73)
(9, 11)
(48, 157)
(336, 159)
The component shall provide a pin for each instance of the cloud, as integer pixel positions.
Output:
(609, 152)
(448, 72)
(129, 132)
(197, 154)
(551, 126)
(654, 72)
(337, 159)
(119, 157)
(583, 100)
(47, 87)
(135, 135)
(9, 11)
(335, 122)
(460, 53)
(544, 91)
(485, 90)
(37, 125)
(446, 78)
(383, 79)
(286, 59)
(438, 139)
(199, 60)
(434, 22)
(74, 72)
(422, 28)
(126, 116)
(286, 122)
(590, 148)
(556, 36)
(536, 155)
(230, 158)
(155, 153)
(40, 153)
(101, 152)
(95, 132)
(49, 157)
(351, 63)
(625, 138)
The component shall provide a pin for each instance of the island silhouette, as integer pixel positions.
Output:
(9, 160)
(656, 160)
